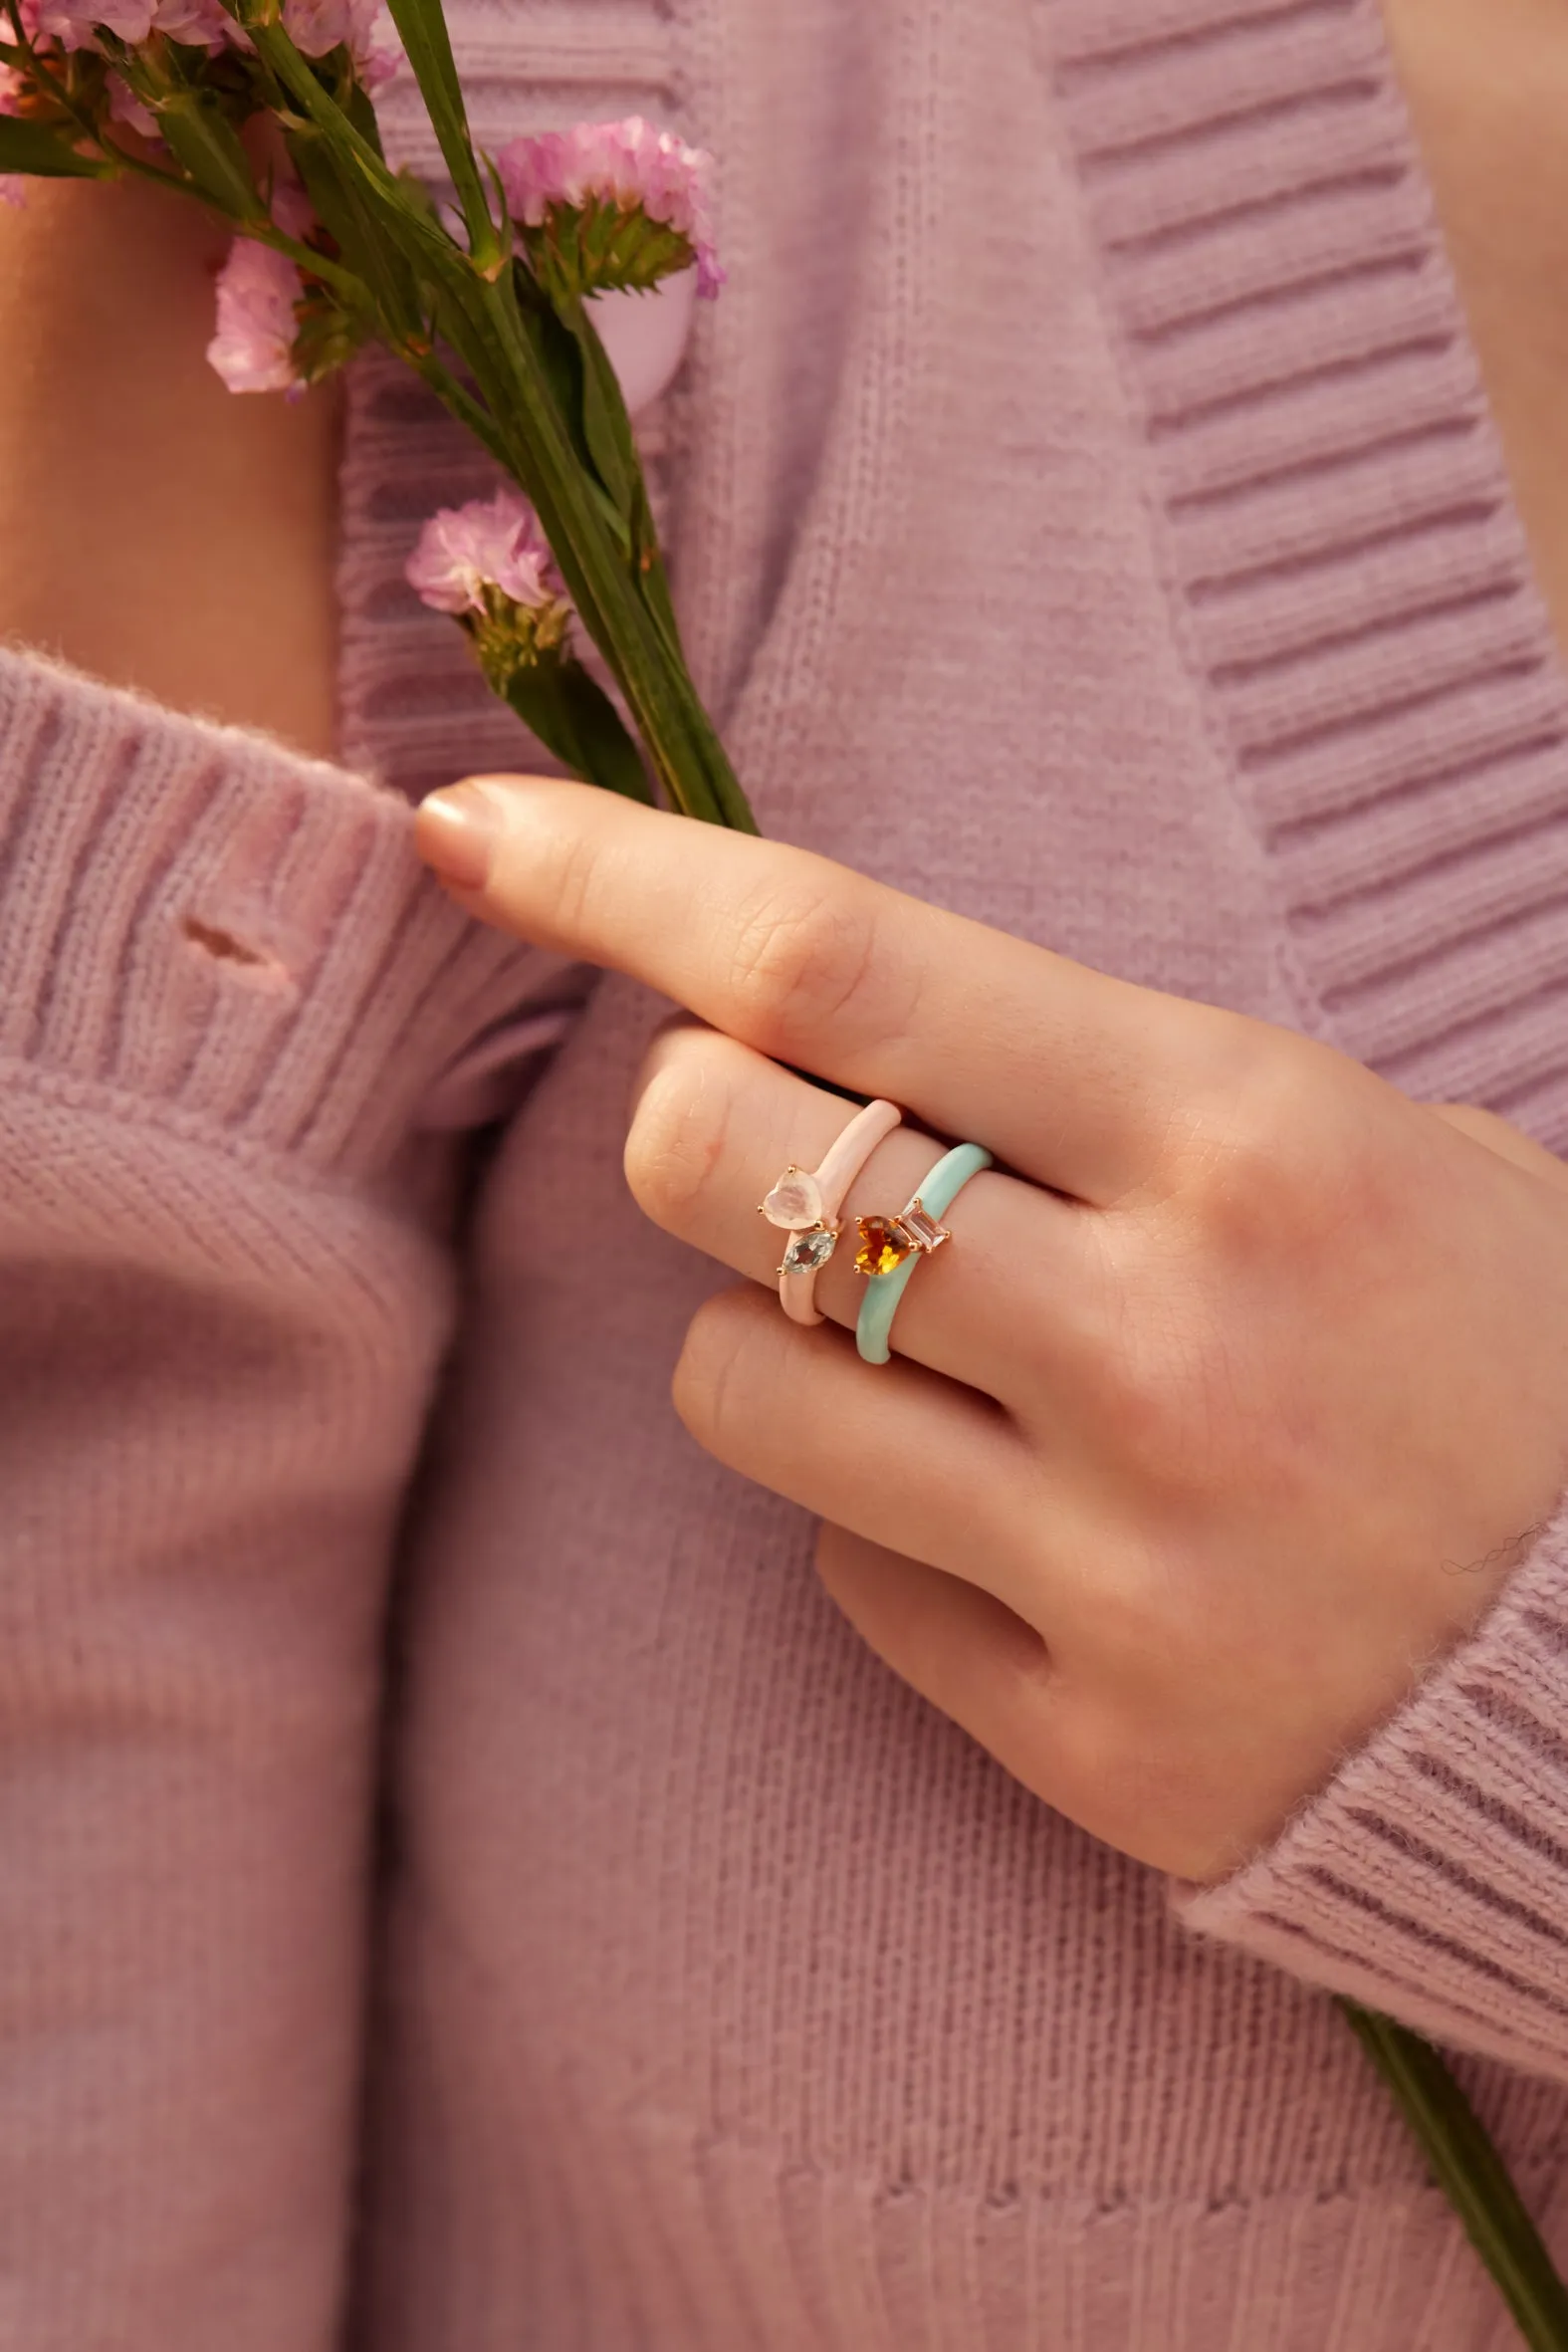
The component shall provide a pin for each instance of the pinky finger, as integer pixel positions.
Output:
(957, 1645)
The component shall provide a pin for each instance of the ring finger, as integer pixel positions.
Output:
(714, 1125)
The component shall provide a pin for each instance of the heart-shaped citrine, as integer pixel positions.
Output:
(883, 1245)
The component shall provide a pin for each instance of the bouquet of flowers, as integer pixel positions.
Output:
(263, 112)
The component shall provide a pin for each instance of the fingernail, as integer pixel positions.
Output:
(455, 831)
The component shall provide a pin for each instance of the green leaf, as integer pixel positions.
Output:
(561, 360)
(422, 26)
(29, 148)
(606, 428)
(201, 137)
(576, 719)
(1472, 2175)
(344, 203)
(361, 114)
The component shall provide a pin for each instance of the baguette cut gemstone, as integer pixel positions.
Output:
(794, 1202)
(808, 1253)
(883, 1245)
(921, 1228)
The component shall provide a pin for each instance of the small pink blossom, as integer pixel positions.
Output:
(199, 23)
(71, 22)
(13, 189)
(493, 542)
(124, 106)
(293, 210)
(318, 26)
(253, 350)
(628, 164)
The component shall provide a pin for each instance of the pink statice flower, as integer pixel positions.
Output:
(199, 23)
(293, 210)
(71, 22)
(628, 167)
(362, 26)
(492, 543)
(124, 106)
(253, 349)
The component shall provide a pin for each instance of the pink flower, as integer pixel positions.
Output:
(253, 350)
(293, 210)
(13, 189)
(71, 22)
(629, 166)
(199, 23)
(317, 26)
(492, 542)
(124, 106)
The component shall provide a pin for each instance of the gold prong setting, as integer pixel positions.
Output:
(885, 1242)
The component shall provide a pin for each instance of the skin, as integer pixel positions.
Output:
(1244, 1381)
(155, 529)
(1231, 1404)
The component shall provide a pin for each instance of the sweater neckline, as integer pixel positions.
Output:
(1346, 560)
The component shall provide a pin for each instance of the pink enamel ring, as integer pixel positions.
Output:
(808, 1206)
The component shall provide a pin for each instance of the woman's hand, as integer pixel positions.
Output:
(1230, 1405)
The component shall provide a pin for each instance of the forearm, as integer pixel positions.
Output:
(157, 529)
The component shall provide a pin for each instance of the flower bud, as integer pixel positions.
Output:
(258, 294)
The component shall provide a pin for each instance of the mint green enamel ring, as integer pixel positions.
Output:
(900, 1242)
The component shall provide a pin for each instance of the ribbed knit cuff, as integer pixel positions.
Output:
(193, 917)
(1426, 1880)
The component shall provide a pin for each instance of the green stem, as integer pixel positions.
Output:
(1472, 2175)
(483, 324)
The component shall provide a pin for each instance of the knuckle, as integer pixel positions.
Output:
(807, 959)
(564, 864)
(1279, 1163)
(710, 1376)
(677, 1137)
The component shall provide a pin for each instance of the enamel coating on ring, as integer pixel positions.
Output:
(807, 1205)
(918, 1228)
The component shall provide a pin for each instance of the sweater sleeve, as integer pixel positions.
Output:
(1429, 1877)
(226, 989)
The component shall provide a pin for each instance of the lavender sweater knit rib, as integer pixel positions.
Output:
(1084, 513)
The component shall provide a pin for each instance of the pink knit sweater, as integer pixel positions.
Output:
(1084, 514)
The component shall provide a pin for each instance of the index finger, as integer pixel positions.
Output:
(1070, 1076)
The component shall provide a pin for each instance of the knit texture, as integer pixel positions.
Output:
(225, 987)
(1083, 513)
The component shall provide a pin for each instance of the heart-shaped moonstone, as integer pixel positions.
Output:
(796, 1201)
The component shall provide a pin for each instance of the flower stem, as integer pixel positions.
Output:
(1472, 2175)
(479, 317)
